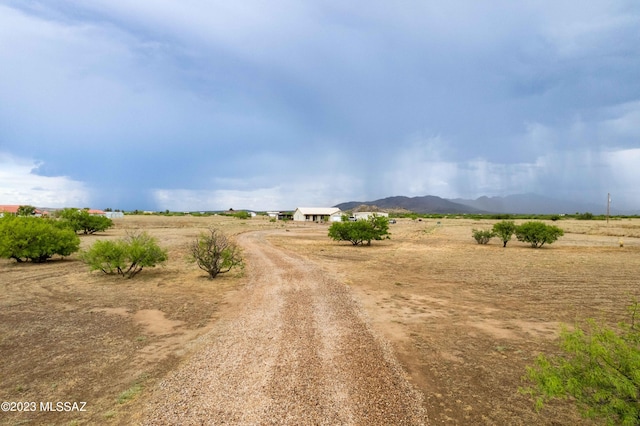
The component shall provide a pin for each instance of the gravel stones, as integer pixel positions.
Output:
(296, 350)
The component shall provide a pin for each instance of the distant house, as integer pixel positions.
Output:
(317, 214)
(13, 209)
(367, 215)
(95, 212)
(9, 209)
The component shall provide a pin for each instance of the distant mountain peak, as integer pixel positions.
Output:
(529, 203)
(422, 204)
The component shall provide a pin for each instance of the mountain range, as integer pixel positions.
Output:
(511, 204)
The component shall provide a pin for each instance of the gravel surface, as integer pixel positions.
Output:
(296, 349)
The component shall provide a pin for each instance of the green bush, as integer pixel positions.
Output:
(482, 236)
(82, 221)
(584, 216)
(35, 239)
(125, 257)
(537, 233)
(242, 215)
(504, 230)
(360, 231)
(600, 371)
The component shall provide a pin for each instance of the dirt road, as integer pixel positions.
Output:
(292, 348)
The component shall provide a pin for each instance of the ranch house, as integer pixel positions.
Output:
(317, 214)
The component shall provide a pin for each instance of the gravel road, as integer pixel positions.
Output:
(295, 349)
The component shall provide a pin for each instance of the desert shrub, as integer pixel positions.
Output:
(584, 216)
(242, 215)
(537, 233)
(482, 236)
(125, 257)
(82, 221)
(215, 253)
(504, 230)
(600, 371)
(35, 239)
(360, 231)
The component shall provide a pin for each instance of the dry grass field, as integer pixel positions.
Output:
(463, 319)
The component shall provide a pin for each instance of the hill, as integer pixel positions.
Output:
(511, 204)
(425, 204)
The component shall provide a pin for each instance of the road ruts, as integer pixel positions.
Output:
(295, 350)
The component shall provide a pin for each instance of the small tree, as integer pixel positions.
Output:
(215, 253)
(537, 233)
(504, 230)
(600, 370)
(482, 236)
(82, 221)
(125, 257)
(35, 239)
(360, 231)
(26, 210)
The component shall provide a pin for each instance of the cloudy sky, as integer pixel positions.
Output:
(193, 104)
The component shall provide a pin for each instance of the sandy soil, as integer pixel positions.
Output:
(460, 320)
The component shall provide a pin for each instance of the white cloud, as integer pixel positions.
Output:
(625, 183)
(19, 185)
(625, 121)
(319, 190)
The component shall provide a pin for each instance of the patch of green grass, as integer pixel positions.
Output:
(130, 393)
(133, 391)
(109, 414)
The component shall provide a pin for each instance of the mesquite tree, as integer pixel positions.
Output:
(125, 257)
(599, 369)
(504, 230)
(215, 253)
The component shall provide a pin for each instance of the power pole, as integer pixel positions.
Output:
(608, 204)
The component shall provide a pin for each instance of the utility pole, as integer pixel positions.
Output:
(608, 204)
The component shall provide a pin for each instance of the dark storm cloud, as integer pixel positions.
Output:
(162, 104)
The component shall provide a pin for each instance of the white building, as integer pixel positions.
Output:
(114, 215)
(317, 214)
(367, 215)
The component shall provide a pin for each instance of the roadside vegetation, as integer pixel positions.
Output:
(125, 257)
(215, 253)
(599, 371)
